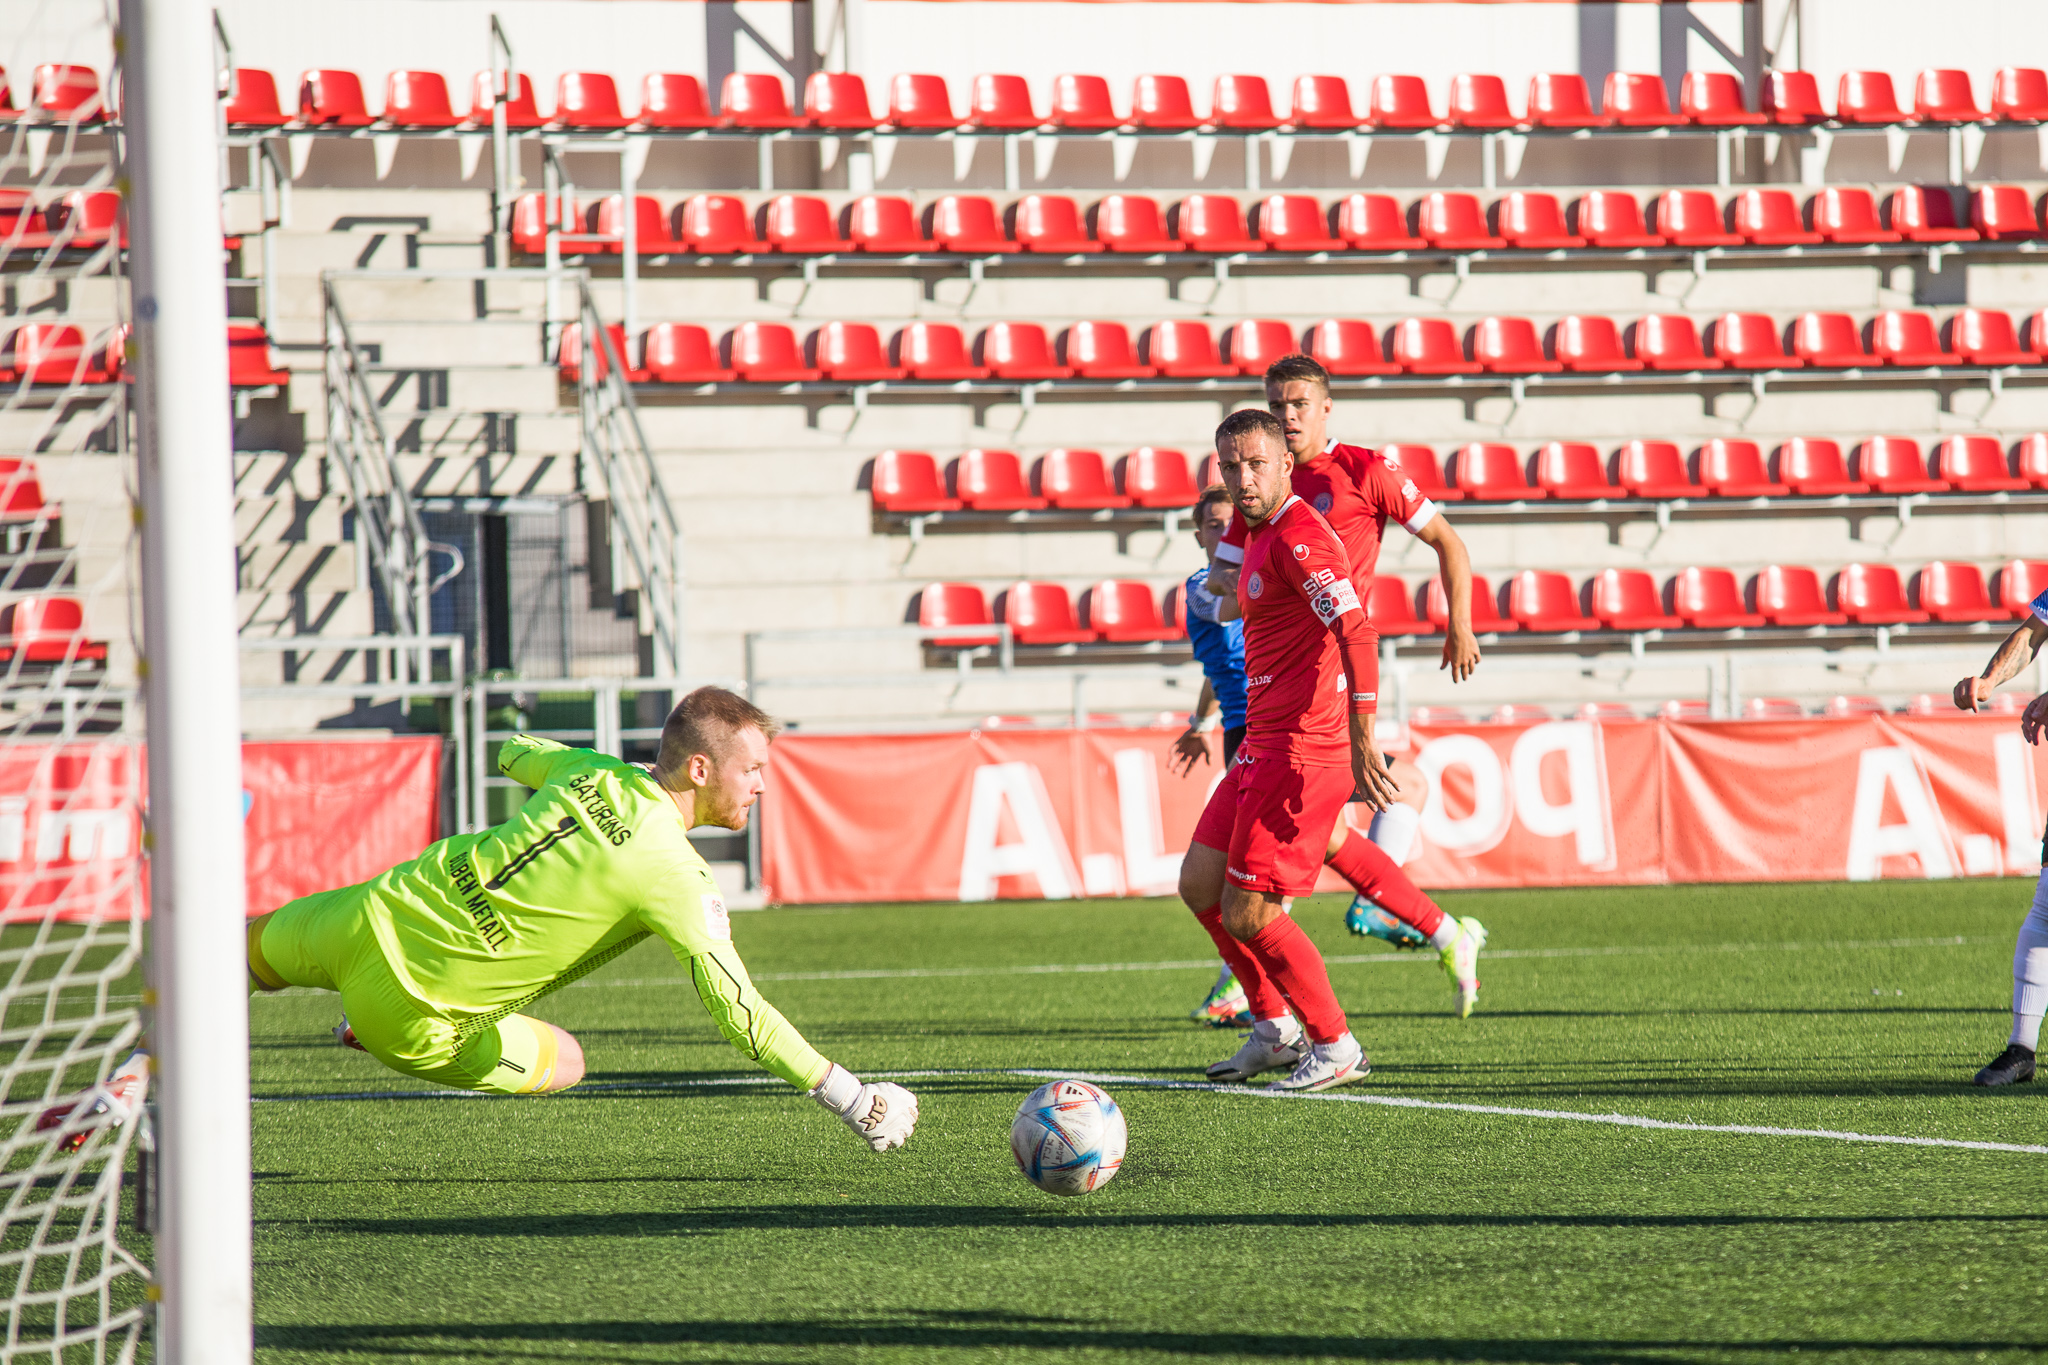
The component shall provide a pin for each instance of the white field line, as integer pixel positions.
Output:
(1250, 1092)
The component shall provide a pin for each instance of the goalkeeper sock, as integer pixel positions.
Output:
(2030, 972)
(1379, 879)
(1288, 956)
(1262, 997)
(1393, 829)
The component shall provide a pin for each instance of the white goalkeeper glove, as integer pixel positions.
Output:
(883, 1115)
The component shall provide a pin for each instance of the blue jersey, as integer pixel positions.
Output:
(1219, 646)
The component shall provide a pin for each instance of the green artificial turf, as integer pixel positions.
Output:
(733, 1223)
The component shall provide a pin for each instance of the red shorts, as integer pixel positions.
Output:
(1274, 816)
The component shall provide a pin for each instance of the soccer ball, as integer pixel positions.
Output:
(1068, 1138)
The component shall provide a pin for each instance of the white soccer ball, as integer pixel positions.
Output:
(1069, 1138)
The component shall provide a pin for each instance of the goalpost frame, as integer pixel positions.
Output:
(199, 1023)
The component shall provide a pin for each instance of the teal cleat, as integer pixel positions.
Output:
(1367, 920)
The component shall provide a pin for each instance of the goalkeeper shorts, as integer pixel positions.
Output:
(322, 941)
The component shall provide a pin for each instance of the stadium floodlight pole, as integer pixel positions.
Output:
(200, 1019)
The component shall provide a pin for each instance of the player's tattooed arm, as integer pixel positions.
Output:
(1461, 646)
(2016, 653)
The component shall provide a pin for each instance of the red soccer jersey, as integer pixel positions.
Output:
(1308, 655)
(1357, 491)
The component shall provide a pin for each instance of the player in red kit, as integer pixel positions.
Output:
(1359, 491)
(1312, 688)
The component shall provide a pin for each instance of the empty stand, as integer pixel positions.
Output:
(40, 630)
(1131, 223)
(1814, 467)
(2004, 213)
(1101, 350)
(1454, 221)
(966, 223)
(1082, 103)
(253, 101)
(673, 99)
(1634, 99)
(1790, 595)
(765, 353)
(1486, 617)
(1182, 350)
(586, 99)
(958, 608)
(757, 101)
(1049, 223)
(1163, 104)
(1533, 221)
(1985, 336)
(682, 353)
(1212, 223)
(1256, 343)
(2019, 94)
(1561, 100)
(1867, 97)
(921, 103)
(249, 363)
(1713, 99)
(1611, 218)
(1480, 101)
(1541, 600)
(1653, 469)
(1391, 608)
(1669, 341)
(1510, 346)
(569, 353)
(1590, 344)
(1690, 218)
(1848, 214)
(522, 111)
(1155, 477)
(1770, 218)
(999, 101)
(1487, 471)
(838, 99)
(714, 225)
(1076, 480)
(1348, 347)
(1945, 96)
(849, 352)
(1955, 593)
(1572, 469)
(1710, 599)
(882, 223)
(1829, 341)
(1018, 350)
(2030, 460)
(1374, 222)
(1324, 103)
(908, 481)
(936, 351)
(992, 481)
(1925, 213)
(1243, 102)
(1041, 614)
(1400, 102)
(1793, 97)
(1122, 612)
(1627, 599)
(1975, 464)
(1749, 341)
(1736, 469)
(1293, 222)
(1895, 464)
(1874, 595)
(1429, 346)
(1848, 708)
(1773, 708)
(1418, 463)
(417, 99)
(2018, 582)
(607, 219)
(333, 98)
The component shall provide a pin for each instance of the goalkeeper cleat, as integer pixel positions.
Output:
(1226, 1006)
(2013, 1066)
(1461, 964)
(105, 1106)
(1326, 1065)
(1366, 919)
(346, 1036)
(1260, 1053)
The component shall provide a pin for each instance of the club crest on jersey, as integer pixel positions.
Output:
(1254, 585)
(1322, 504)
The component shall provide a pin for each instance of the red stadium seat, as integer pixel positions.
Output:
(569, 353)
(1848, 214)
(1829, 341)
(1322, 102)
(1543, 601)
(1773, 708)
(2004, 213)
(1572, 470)
(1895, 464)
(249, 363)
(1102, 350)
(908, 481)
(1242, 102)
(1131, 223)
(1453, 222)
(1075, 480)
(2019, 94)
(57, 353)
(1486, 617)
(934, 350)
(1561, 100)
(992, 481)
(607, 219)
(1441, 715)
(70, 93)
(1945, 96)
(1480, 102)
(585, 99)
(1848, 708)
(714, 225)
(1348, 346)
(1793, 97)
(1419, 464)
(682, 353)
(1212, 223)
(1867, 97)
(1590, 344)
(254, 103)
(1771, 218)
(1487, 471)
(47, 630)
(2018, 582)
(1606, 711)
(1684, 711)
(1182, 349)
(1018, 350)
(997, 101)
(838, 99)
(1210, 475)
(21, 226)
(1669, 341)
(755, 100)
(1653, 469)
(1710, 599)
(333, 99)
(1125, 613)
(1790, 595)
(1082, 103)
(1041, 614)
(1927, 704)
(530, 223)
(921, 102)
(1691, 218)
(87, 218)
(1164, 104)
(849, 352)
(1255, 343)
(956, 605)
(1533, 221)
(1814, 467)
(21, 492)
(883, 224)
(1874, 595)
(1429, 346)
(418, 99)
(1153, 476)
(674, 99)
(1713, 99)
(1637, 100)
(1611, 218)
(1627, 599)
(1906, 338)
(1749, 341)
(2037, 334)
(965, 223)
(1510, 346)
(765, 353)
(1391, 609)
(1975, 464)
(1049, 224)
(1400, 102)
(799, 225)
(1374, 222)
(2030, 459)
(1736, 469)
(1985, 336)
(522, 111)
(1950, 592)
(1925, 213)
(1293, 222)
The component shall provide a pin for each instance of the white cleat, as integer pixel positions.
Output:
(1326, 1065)
(1261, 1053)
(1461, 964)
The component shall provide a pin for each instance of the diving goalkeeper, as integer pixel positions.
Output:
(436, 958)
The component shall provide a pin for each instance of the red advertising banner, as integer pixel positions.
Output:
(1062, 813)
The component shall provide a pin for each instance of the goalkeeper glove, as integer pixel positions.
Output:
(883, 1115)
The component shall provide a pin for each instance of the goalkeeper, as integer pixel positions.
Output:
(436, 958)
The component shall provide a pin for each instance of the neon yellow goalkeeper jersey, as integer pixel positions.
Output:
(597, 859)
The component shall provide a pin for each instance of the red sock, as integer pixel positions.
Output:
(1265, 999)
(1366, 866)
(1297, 968)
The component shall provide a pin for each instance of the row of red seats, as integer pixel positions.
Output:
(1067, 480)
(58, 353)
(82, 218)
(58, 93)
(1756, 708)
(1216, 224)
(1082, 103)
